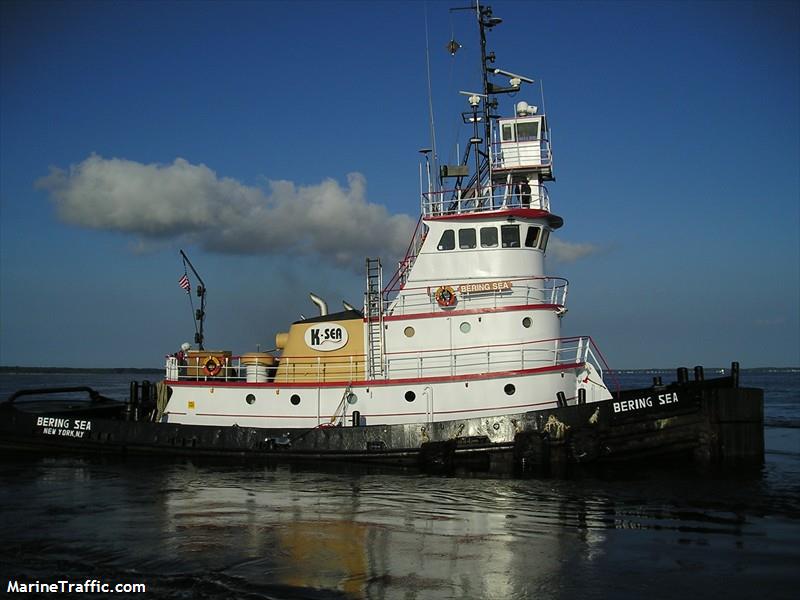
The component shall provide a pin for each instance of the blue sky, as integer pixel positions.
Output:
(276, 142)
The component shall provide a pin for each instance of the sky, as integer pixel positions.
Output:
(277, 144)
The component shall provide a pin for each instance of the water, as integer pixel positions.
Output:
(191, 529)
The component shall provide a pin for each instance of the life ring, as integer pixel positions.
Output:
(212, 366)
(445, 296)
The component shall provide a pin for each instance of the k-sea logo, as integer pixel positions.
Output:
(325, 337)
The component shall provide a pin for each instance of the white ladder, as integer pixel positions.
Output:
(373, 311)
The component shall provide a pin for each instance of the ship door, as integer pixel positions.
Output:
(428, 393)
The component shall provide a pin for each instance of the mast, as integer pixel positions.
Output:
(200, 313)
(486, 20)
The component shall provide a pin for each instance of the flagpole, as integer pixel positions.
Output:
(200, 315)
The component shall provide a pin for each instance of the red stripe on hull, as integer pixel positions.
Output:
(376, 382)
(527, 213)
(377, 415)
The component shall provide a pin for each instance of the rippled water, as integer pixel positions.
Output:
(215, 529)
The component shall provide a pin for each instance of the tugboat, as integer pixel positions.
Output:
(458, 358)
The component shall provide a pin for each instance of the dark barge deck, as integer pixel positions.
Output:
(704, 420)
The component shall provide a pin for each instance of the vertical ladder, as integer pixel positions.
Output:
(373, 311)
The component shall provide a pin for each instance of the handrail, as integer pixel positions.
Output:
(601, 362)
(492, 197)
(512, 279)
(413, 300)
(466, 360)
(94, 395)
(527, 154)
(412, 251)
(487, 346)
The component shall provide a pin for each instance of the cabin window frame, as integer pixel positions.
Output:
(464, 244)
(514, 241)
(525, 125)
(449, 241)
(484, 241)
(544, 238)
(533, 243)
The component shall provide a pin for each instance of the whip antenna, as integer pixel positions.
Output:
(430, 93)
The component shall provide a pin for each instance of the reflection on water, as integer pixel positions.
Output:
(367, 534)
(275, 531)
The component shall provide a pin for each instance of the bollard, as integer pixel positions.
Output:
(356, 418)
(582, 396)
(683, 375)
(561, 399)
(133, 402)
(698, 373)
(145, 400)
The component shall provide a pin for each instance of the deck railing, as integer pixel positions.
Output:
(491, 358)
(404, 266)
(488, 198)
(472, 360)
(517, 154)
(524, 291)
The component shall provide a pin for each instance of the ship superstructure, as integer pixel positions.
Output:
(468, 326)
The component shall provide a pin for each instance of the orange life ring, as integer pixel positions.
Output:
(212, 366)
(445, 296)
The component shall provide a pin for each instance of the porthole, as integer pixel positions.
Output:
(409, 331)
(410, 396)
(295, 399)
(509, 389)
(527, 322)
(352, 398)
(465, 327)
(250, 398)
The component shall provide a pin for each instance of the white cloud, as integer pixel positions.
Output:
(567, 252)
(190, 202)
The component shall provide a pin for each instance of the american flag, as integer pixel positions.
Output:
(184, 283)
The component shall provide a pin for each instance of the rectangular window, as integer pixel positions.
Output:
(510, 236)
(448, 240)
(508, 133)
(488, 237)
(466, 238)
(543, 242)
(528, 131)
(532, 237)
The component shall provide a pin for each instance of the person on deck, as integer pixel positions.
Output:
(182, 355)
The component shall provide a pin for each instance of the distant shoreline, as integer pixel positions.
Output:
(21, 369)
(17, 369)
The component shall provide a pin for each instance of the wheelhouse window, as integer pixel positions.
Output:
(466, 239)
(528, 131)
(510, 236)
(543, 241)
(532, 237)
(448, 240)
(521, 132)
(488, 237)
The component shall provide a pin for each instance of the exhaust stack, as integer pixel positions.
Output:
(323, 306)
